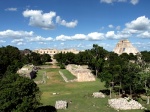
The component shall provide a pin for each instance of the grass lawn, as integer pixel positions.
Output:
(67, 74)
(80, 93)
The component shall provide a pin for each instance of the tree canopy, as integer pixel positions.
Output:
(18, 94)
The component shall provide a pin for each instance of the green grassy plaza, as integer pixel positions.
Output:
(78, 93)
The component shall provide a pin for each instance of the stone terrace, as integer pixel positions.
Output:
(81, 72)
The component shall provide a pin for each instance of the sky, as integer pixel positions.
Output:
(77, 24)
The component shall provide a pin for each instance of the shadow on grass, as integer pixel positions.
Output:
(146, 110)
(105, 91)
(47, 108)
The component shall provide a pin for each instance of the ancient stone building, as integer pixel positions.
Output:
(124, 46)
(55, 51)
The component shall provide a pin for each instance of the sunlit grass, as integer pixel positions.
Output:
(67, 74)
(79, 93)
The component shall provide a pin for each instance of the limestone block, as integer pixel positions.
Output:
(61, 104)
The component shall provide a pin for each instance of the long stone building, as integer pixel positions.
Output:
(124, 46)
(52, 52)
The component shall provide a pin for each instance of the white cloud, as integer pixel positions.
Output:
(110, 34)
(134, 2)
(62, 43)
(118, 35)
(110, 26)
(40, 19)
(11, 9)
(140, 24)
(17, 40)
(139, 27)
(108, 1)
(39, 39)
(63, 38)
(71, 24)
(79, 37)
(2, 41)
(20, 43)
(45, 20)
(95, 36)
(118, 28)
(42, 42)
(145, 34)
(15, 34)
(90, 36)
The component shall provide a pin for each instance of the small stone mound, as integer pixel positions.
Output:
(98, 95)
(61, 104)
(124, 104)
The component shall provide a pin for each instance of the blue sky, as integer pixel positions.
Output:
(64, 24)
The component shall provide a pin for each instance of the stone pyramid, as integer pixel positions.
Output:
(124, 46)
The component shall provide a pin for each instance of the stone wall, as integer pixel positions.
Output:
(81, 72)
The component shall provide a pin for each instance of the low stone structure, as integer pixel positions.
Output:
(28, 71)
(61, 104)
(98, 95)
(81, 72)
(124, 104)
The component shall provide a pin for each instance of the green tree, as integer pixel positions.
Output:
(18, 94)
(97, 55)
(46, 58)
(10, 60)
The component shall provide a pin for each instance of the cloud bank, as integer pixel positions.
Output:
(45, 20)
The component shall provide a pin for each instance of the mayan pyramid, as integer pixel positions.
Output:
(124, 46)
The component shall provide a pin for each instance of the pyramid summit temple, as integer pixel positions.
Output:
(124, 46)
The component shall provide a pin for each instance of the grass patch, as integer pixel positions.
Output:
(39, 75)
(80, 93)
(67, 74)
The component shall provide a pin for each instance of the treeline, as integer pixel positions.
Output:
(18, 94)
(122, 73)
(11, 59)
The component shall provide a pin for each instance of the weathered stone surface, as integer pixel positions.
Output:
(124, 104)
(61, 104)
(81, 72)
(124, 46)
(98, 95)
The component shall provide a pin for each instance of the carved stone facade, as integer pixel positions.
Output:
(124, 46)
(55, 51)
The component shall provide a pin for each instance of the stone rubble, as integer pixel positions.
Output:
(61, 104)
(98, 95)
(124, 104)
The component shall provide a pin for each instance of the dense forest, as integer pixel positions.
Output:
(121, 73)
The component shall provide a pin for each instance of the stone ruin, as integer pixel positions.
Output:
(98, 95)
(124, 46)
(28, 71)
(61, 104)
(81, 72)
(124, 104)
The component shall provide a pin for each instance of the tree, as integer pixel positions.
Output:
(18, 94)
(97, 55)
(46, 58)
(10, 60)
